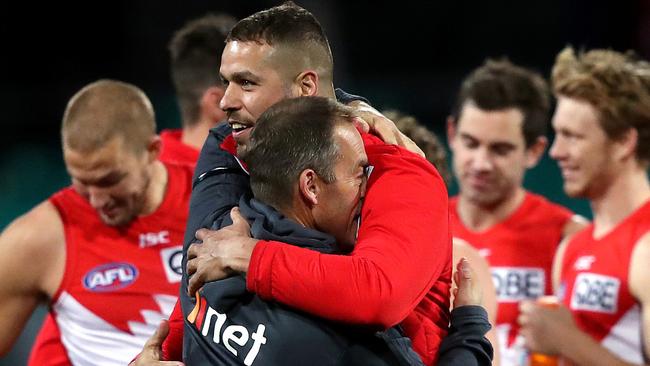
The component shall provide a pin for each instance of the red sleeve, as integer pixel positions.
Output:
(402, 248)
(172, 347)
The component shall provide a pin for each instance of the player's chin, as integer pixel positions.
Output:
(118, 219)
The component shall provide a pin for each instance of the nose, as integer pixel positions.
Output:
(557, 150)
(98, 197)
(231, 100)
(482, 160)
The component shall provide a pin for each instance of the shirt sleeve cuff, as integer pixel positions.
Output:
(257, 279)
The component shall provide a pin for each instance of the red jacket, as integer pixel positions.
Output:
(398, 272)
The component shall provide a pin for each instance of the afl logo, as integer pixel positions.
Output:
(110, 277)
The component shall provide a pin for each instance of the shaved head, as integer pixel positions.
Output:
(106, 109)
(298, 39)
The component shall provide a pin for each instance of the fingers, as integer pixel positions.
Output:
(239, 223)
(526, 306)
(193, 251)
(192, 265)
(465, 269)
(463, 280)
(384, 131)
(526, 311)
(361, 124)
(201, 234)
(194, 284)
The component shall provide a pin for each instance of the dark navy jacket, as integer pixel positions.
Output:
(232, 326)
(219, 183)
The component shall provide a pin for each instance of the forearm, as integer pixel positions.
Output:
(14, 313)
(363, 291)
(402, 249)
(582, 350)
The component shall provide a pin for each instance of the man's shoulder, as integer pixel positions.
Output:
(40, 221)
(221, 131)
(217, 152)
(35, 237)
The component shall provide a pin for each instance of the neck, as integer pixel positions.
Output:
(156, 189)
(479, 217)
(625, 194)
(194, 135)
(327, 90)
(301, 215)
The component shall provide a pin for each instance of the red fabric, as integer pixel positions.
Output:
(518, 249)
(229, 144)
(90, 244)
(174, 150)
(172, 347)
(47, 348)
(400, 268)
(596, 286)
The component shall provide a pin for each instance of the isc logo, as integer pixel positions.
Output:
(514, 284)
(151, 239)
(110, 277)
(594, 292)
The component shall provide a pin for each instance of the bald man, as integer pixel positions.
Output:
(104, 253)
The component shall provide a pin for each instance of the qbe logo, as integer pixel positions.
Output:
(514, 284)
(110, 277)
(594, 292)
(172, 259)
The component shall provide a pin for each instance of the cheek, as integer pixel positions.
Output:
(128, 189)
(461, 157)
(260, 101)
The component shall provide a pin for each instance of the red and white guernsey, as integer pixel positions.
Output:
(594, 285)
(119, 282)
(520, 252)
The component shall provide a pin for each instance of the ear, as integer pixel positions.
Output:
(307, 82)
(153, 148)
(451, 130)
(210, 99)
(626, 145)
(309, 187)
(535, 151)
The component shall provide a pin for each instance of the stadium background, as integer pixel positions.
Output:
(409, 55)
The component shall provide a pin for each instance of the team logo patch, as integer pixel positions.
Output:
(152, 239)
(584, 263)
(514, 284)
(237, 339)
(594, 292)
(172, 259)
(110, 277)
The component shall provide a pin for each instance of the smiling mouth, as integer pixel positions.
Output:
(238, 127)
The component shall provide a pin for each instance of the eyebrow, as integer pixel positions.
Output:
(493, 144)
(465, 135)
(116, 176)
(245, 75)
